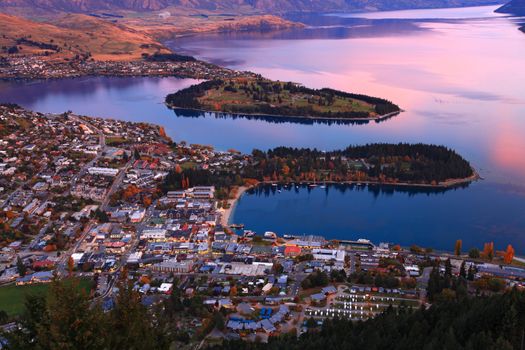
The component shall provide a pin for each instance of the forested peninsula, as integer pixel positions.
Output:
(260, 96)
(395, 164)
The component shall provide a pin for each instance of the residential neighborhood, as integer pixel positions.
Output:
(99, 199)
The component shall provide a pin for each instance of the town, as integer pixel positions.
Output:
(98, 199)
(35, 67)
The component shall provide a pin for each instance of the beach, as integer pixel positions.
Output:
(226, 213)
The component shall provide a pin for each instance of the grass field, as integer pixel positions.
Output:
(224, 99)
(12, 297)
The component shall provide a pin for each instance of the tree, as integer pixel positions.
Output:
(448, 268)
(463, 270)
(434, 286)
(509, 255)
(132, 326)
(218, 321)
(277, 268)
(471, 273)
(136, 154)
(488, 251)
(474, 253)
(457, 248)
(70, 266)
(63, 320)
(3, 317)
(21, 267)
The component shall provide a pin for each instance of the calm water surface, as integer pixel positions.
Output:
(458, 73)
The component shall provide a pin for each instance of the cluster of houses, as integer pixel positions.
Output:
(21, 66)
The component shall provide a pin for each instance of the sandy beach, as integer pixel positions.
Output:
(226, 213)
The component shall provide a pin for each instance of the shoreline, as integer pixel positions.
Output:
(227, 214)
(284, 117)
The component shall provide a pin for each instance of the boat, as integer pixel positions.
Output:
(249, 233)
(312, 185)
(237, 226)
(279, 191)
(289, 237)
(270, 235)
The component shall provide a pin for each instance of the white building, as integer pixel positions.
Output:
(103, 171)
(329, 254)
(154, 234)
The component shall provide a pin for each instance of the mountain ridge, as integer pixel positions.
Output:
(264, 6)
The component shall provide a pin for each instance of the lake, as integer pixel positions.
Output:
(458, 73)
(477, 214)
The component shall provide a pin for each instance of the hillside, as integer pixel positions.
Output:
(265, 6)
(515, 7)
(73, 35)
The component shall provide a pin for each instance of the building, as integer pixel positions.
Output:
(174, 266)
(329, 254)
(292, 251)
(154, 234)
(103, 171)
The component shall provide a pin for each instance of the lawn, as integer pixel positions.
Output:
(12, 297)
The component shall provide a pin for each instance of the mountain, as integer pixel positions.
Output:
(75, 34)
(265, 6)
(515, 7)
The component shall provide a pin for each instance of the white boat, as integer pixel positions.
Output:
(270, 235)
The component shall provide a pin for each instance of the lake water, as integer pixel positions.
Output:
(458, 73)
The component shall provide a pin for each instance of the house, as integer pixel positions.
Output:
(245, 309)
(292, 251)
(329, 290)
(37, 277)
(154, 234)
(318, 298)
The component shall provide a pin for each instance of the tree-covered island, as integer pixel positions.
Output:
(260, 96)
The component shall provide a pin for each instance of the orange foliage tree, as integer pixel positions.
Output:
(457, 247)
(509, 254)
(488, 251)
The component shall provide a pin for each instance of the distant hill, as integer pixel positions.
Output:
(74, 34)
(265, 6)
(515, 7)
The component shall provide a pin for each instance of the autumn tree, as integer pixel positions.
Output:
(488, 251)
(457, 248)
(70, 266)
(509, 254)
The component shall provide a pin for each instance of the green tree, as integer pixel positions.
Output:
(463, 270)
(132, 326)
(21, 267)
(474, 253)
(63, 320)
